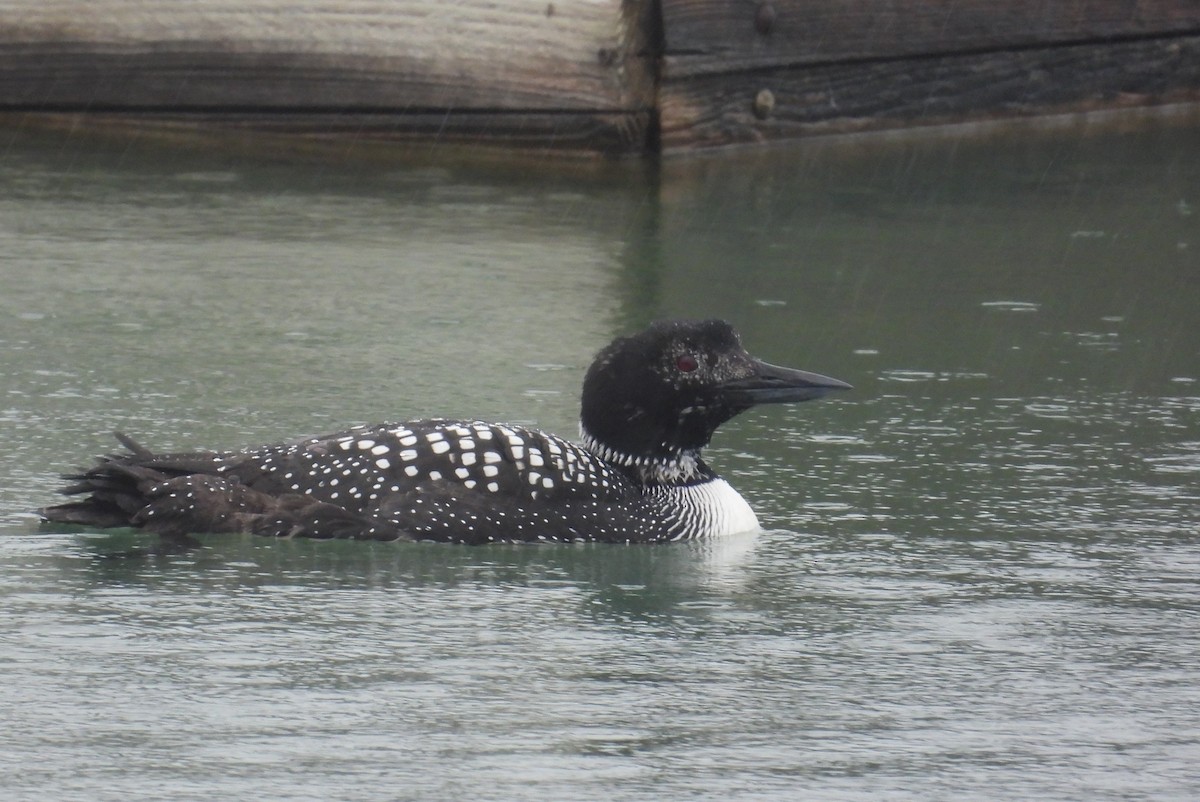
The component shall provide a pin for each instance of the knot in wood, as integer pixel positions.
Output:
(764, 18)
(764, 104)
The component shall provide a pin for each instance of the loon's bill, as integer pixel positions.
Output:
(779, 385)
(650, 403)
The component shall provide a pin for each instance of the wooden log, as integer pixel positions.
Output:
(838, 66)
(534, 68)
(705, 36)
(522, 141)
(716, 110)
(587, 76)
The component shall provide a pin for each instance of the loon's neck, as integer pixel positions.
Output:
(683, 467)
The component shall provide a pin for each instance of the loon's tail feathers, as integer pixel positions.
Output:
(135, 448)
(115, 489)
(175, 495)
(119, 490)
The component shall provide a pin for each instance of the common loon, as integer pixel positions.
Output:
(651, 402)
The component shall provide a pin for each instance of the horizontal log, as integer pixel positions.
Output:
(590, 77)
(517, 55)
(749, 107)
(483, 135)
(706, 36)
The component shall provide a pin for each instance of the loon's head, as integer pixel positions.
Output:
(660, 394)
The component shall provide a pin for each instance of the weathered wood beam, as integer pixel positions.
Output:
(702, 36)
(477, 136)
(736, 72)
(586, 76)
(716, 110)
(517, 70)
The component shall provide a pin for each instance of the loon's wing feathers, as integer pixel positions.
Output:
(434, 479)
(361, 467)
(426, 479)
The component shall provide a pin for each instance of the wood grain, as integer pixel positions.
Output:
(524, 140)
(603, 77)
(418, 54)
(707, 36)
(720, 109)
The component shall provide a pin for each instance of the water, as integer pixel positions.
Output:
(979, 573)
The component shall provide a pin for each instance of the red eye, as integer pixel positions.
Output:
(687, 363)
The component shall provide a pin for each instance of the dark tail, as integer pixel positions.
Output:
(121, 489)
(115, 489)
(180, 494)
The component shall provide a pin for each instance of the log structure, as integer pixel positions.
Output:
(587, 76)
(754, 71)
(570, 76)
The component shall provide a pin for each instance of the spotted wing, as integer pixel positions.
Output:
(427, 479)
(458, 481)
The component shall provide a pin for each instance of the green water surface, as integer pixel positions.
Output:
(978, 577)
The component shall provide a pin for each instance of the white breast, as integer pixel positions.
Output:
(713, 509)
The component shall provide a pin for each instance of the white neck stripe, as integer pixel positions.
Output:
(679, 468)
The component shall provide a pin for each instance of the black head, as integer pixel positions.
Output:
(665, 390)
